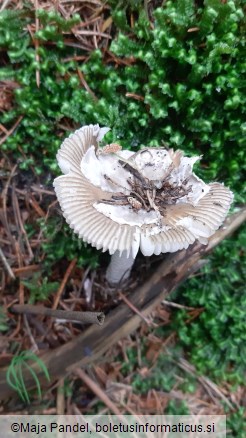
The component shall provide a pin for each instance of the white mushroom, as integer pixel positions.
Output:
(122, 201)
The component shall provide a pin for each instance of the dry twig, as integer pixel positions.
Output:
(69, 315)
(63, 283)
(6, 264)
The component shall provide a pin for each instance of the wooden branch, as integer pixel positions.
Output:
(69, 315)
(122, 321)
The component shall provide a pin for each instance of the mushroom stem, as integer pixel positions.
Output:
(119, 268)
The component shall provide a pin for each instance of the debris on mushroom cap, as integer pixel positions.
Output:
(122, 200)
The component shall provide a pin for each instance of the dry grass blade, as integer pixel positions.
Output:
(93, 33)
(10, 131)
(36, 207)
(60, 398)
(41, 190)
(207, 383)
(6, 264)
(36, 43)
(135, 96)
(34, 345)
(85, 85)
(19, 222)
(25, 270)
(97, 390)
(5, 4)
(4, 199)
(133, 308)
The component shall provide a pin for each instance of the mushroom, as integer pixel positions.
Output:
(122, 201)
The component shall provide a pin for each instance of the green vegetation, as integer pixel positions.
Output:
(40, 289)
(15, 376)
(216, 340)
(189, 82)
(236, 424)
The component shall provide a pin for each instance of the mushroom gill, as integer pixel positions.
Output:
(122, 201)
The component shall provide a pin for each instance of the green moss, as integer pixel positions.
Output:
(216, 339)
(190, 82)
(235, 423)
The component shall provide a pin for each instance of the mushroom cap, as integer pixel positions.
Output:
(103, 195)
